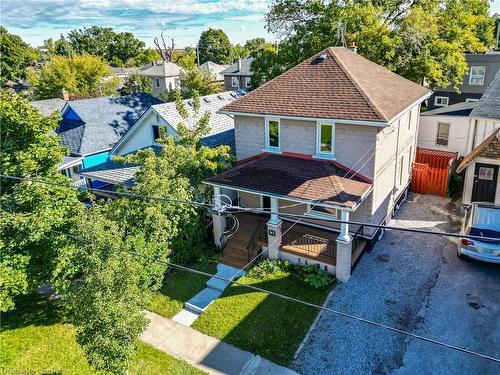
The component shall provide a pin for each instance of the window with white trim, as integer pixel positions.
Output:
(476, 76)
(441, 101)
(320, 211)
(401, 169)
(272, 134)
(234, 81)
(157, 82)
(410, 118)
(248, 82)
(325, 139)
(156, 132)
(443, 133)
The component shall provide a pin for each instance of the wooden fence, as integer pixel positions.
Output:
(431, 171)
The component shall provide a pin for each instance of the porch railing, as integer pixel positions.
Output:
(358, 237)
(80, 183)
(259, 234)
(312, 245)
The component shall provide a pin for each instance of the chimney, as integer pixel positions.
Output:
(239, 64)
(64, 95)
(353, 47)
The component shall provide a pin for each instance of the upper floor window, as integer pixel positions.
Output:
(410, 119)
(443, 134)
(234, 81)
(325, 139)
(476, 76)
(157, 82)
(248, 82)
(469, 100)
(441, 101)
(272, 134)
(156, 132)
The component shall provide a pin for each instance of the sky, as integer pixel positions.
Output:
(183, 20)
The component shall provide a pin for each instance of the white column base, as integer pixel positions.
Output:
(273, 239)
(219, 224)
(344, 256)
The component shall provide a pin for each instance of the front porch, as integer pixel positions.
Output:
(300, 243)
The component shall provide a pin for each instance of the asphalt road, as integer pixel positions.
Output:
(414, 282)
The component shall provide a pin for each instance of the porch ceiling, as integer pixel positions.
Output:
(297, 178)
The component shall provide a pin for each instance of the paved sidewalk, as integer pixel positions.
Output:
(205, 352)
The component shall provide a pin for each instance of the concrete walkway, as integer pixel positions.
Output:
(205, 352)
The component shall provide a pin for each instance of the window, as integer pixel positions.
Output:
(76, 168)
(486, 173)
(325, 140)
(157, 82)
(321, 211)
(410, 158)
(248, 82)
(441, 101)
(401, 165)
(443, 133)
(272, 134)
(469, 100)
(409, 119)
(476, 76)
(234, 81)
(156, 132)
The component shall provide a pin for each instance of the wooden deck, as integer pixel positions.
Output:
(301, 240)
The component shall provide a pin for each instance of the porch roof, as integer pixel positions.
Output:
(324, 181)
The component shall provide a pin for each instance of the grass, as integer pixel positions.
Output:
(34, 339)
(178, 287)
(261, 323)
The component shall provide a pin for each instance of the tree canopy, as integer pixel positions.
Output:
(214, 45)
(16, 56)
(80, 75)
(420, 40)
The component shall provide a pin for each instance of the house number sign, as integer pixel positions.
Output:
(272, 232)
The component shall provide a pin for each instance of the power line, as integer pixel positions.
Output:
(292, 299)
(119, 193)
(257, 211)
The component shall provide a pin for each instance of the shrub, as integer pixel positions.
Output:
(268, 266)
(314, 276)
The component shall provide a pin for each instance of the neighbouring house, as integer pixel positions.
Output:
(164, 75)
(49, 106)
(91, 127)
(239, 75)
(339, 148)
(481, 70)
(147, 129)
(215, 70)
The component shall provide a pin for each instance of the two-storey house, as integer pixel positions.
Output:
(239, 75)
(164, 76)
(329, 142)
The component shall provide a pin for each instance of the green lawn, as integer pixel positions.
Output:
(178, 287)
(34, 338)
(261, 323)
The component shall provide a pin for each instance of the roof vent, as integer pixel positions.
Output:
(322, 57)
(206, 100)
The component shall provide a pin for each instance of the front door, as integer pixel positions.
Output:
(485, 183)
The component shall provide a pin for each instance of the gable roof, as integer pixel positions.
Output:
(344, 85)
(101, 122)
(246, 68)
(489, 104)
(489, 148)
(221, 125)
(458, 109)
(161, 69)
(214, 69)
(48, 106)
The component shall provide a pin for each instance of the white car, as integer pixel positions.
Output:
(482, 220)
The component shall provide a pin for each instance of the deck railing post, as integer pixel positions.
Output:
(344, 251)
(274, 238)
(219, 221)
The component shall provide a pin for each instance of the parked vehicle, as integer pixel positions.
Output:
(483, 220)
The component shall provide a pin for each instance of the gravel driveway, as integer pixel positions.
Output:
(414, 282)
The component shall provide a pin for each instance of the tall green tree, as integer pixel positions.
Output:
(16, 56)
(80, 75)
(29, 211)
(214, 45)
(421, 40)
(141, 83)
(186, 58)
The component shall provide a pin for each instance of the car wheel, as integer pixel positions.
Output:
(462, 256)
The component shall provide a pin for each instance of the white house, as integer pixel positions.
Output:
(164, 75)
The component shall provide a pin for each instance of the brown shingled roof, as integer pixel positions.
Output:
(286, 176)
(489, 148)
(343, 86)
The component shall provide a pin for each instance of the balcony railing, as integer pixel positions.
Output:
(310, 245)
(80, 183)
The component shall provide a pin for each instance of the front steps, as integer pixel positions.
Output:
(200, 302)
(236, 252)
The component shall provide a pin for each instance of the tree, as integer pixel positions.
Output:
(185, 59)
(141, 83)
(421, 40)
(80, 75)
(239, 52)
(214, 45)
(16, 56)
(145, 57)
(256, 44)
(198, 80)
(30, 211)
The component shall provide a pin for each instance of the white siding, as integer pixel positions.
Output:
(457, 138)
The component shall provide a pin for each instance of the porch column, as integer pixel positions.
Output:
(218, 220)
(274, 231)
(344, 250)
